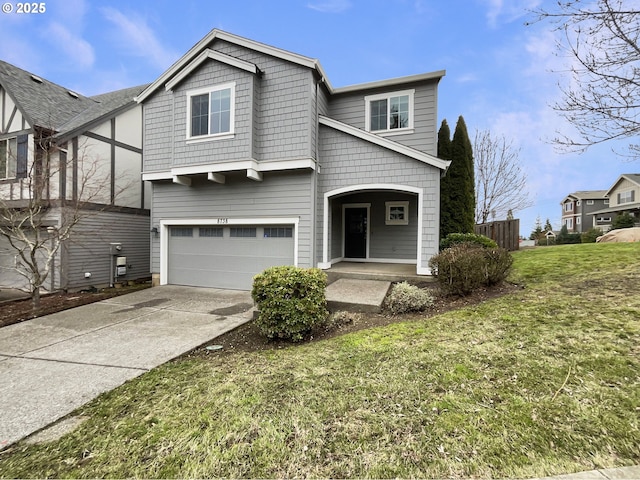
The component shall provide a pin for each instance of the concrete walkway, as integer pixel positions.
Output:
(622, 473)
(52, 365)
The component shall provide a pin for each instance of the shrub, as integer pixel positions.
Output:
(499, 262)
(404, 298)
(341, 318)
(459, 268)
(591, 235)
(565, 238)
(290, 300)
(463, 268)
(624, 220)
(457, 238)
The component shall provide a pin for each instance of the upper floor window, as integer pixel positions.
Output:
(626, 197)
(606, 201)
(589, 202)
(568, 207)
(210, 111)
(389, 112)
(8, 158)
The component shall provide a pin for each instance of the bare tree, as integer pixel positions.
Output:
(500, 181)
(602, 101)
(36, 225)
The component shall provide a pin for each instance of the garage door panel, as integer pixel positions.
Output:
(225, 262)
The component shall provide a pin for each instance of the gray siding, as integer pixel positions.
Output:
(397, 242)
(88, 249)
(350, 108)
(287, 194)
(158, 131)
(348, 161)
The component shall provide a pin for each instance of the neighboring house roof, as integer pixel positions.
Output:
(385, 143)
(51, 106)
(632, 177)
(197, 53)
(619, 208)
(42, 102)
(586, 195)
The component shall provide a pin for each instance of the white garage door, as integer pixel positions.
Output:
(226, 257)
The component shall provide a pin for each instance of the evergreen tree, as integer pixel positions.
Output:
(444, 152)
(460, 213)
(547, 226)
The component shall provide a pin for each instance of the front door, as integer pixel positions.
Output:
(355, 239)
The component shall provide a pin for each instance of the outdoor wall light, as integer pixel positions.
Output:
(155, 231)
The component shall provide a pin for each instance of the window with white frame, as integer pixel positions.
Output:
(626, 197)
(589, 202)
(578, 203)
(606, 201)
(569, 223)
(389, 112)
(211, 112)
(8, 157)
(568, 207)
(603, 219)
(397, 213)
(578, 220)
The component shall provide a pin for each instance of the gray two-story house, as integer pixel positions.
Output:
(256, 160)
(579, 208)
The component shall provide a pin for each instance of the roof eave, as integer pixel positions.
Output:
(392, 82)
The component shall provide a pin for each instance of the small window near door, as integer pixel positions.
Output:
(397, 213)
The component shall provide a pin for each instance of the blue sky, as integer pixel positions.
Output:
(501, 75)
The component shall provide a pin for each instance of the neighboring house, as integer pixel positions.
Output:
(624, 196)
(257, 160)
(578, 211)
(53, 137)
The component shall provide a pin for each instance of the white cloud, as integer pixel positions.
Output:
(138, 39)
(76, 48)
(508, 11)
(330, 6)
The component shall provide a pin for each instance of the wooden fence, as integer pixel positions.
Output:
(506, 233)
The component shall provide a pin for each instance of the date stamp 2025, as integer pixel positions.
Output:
(24, 7)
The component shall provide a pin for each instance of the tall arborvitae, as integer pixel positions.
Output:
(458, 211)
(444, 152)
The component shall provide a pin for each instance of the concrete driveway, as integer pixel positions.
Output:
(52, 365)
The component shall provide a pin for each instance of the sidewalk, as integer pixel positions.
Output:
(622, 473)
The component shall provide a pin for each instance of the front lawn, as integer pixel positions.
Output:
(539, 382)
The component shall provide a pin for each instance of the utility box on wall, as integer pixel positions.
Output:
(121, 266)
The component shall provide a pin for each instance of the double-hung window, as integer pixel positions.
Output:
(210, 112)
(626, 197)
(389, 112)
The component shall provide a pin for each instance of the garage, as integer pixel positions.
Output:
(226, 256)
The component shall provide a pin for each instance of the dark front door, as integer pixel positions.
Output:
(355, 239)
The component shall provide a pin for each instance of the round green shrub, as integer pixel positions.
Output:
(464, 267)
(404, 297)
(457, 238)
(290, 300)
(624, 220)
(590, 235)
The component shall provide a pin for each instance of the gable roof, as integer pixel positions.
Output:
(200, 52)
(632, 177)
(51, 106)
(385, 143)
(586, 195)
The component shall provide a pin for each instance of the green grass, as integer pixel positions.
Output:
(541, 382)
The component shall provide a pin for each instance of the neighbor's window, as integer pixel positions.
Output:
(578, 219)
(8, 157)
(589, 202)
(389, 112)
(569, 222)
(211, 111)
(568, 207)
(626, 197)
(606, 201)
(397, 213)
(604, 219)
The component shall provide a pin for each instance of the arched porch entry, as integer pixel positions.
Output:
(380, 223)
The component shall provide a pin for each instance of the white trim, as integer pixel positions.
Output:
(387, 96)
(387, 213)
(219, 222)
(213, 55)
(391, 82)
(420, 270)
(231, 86)
(406, 261)
(385, 143)
(356, 205)
(268, 166)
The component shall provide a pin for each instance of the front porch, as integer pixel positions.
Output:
(389, 272)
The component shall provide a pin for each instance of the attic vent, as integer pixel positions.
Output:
(73, 94)
(36, 78)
